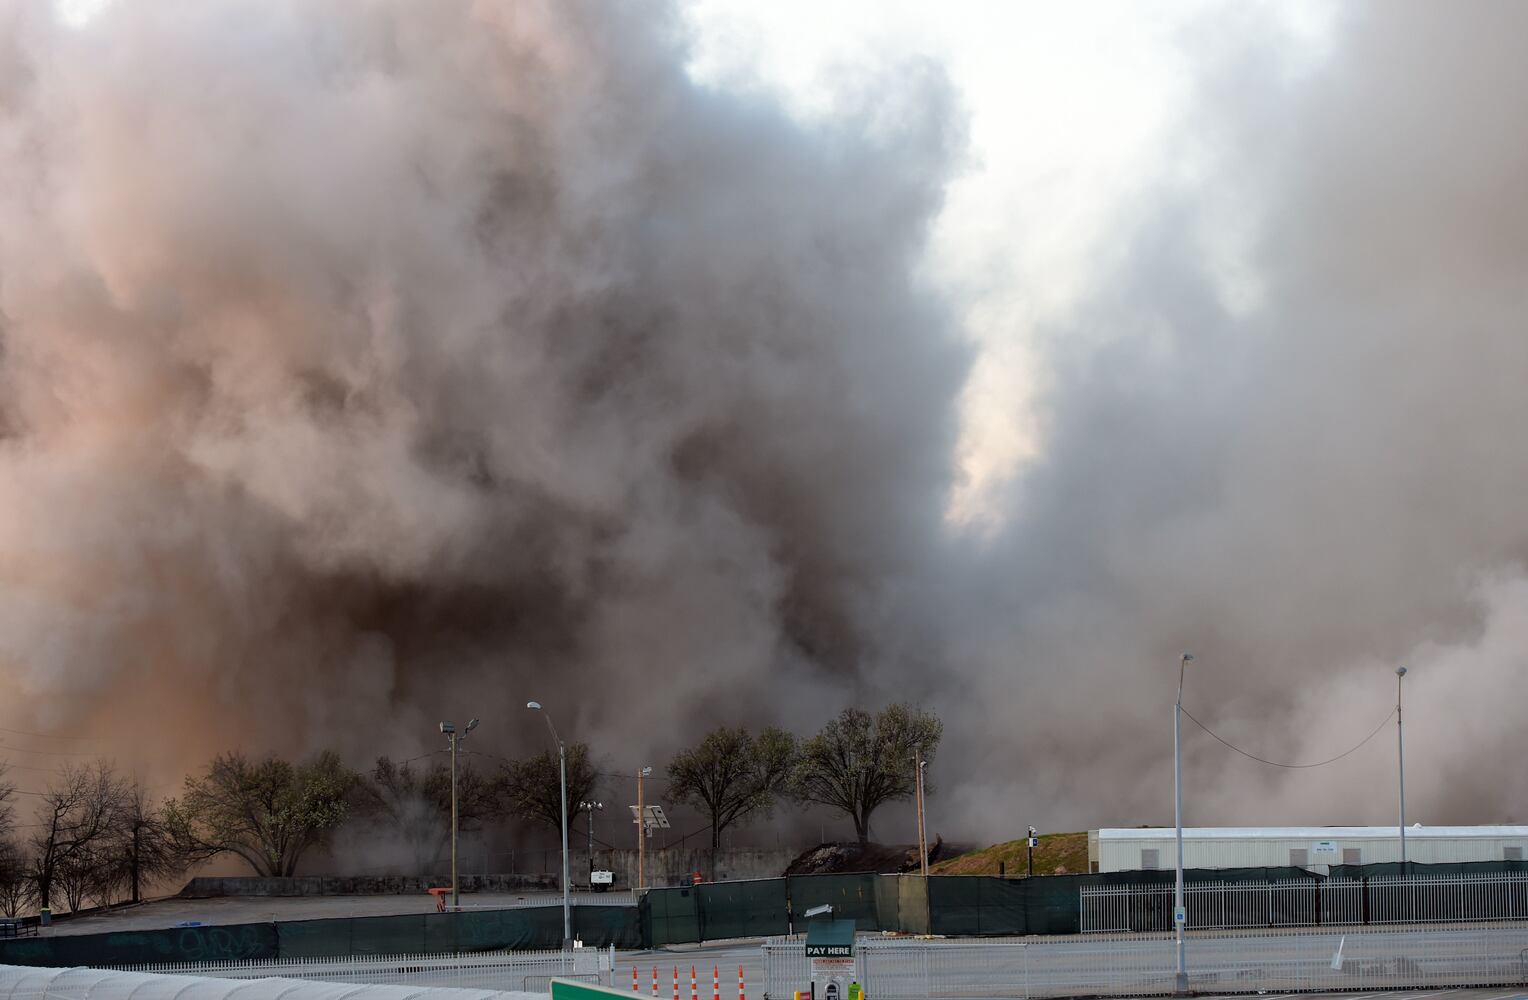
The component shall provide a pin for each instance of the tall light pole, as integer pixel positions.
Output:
(641, 829)
(1400, 752)
(562, 766)
(591, 806)
(454, 738)
(1180, 915)
(918, 765)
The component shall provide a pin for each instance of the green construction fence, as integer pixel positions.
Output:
(527, 928)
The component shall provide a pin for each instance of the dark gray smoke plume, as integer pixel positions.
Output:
(370, 364)
(374, 363)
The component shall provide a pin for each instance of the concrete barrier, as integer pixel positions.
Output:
(206, 887)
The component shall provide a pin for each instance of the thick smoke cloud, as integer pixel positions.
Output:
(374, 363)
(1284, 435)
(370, 364)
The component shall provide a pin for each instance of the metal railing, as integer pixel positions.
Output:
(1313, 902)
(1144, 964)
(525, 971)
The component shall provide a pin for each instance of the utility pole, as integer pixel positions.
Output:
(455, 738)
(918, 765)
(1030, 845)
(641, 829)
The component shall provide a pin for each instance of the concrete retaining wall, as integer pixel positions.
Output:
(360, 885)
(675, 866)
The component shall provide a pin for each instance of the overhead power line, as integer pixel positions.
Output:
(1275, 763)
(7, 748)
(49, 736)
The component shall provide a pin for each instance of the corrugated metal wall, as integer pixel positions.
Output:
(1122, 854)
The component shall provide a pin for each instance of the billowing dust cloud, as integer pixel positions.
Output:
(1285, 435)
(369, 364)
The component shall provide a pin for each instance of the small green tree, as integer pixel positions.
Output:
(730, 775)
(267, 812)
(859, 761)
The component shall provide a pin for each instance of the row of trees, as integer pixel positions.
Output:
(855, 764)
(99, 837)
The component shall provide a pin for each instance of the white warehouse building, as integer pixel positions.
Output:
(1315, 848)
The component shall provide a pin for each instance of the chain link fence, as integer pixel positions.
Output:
(1385, 899)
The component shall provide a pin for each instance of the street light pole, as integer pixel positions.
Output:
(591, 806)
(454, 739)
(1180, 916)
(1400, 751)
(641, 829)
(562, 765)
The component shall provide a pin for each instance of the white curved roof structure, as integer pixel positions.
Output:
(28, 983)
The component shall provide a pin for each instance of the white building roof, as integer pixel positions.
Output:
(28, 983)
(1316, 832)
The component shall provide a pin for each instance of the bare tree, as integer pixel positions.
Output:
(17, 887)
(532, 788)
(415, 803)
(7, 803)
(140, 850)
(81, 874)
(268, 812)
(730, 775)
(76, 815)
(860, 761)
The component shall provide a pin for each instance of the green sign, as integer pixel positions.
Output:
(830, 939)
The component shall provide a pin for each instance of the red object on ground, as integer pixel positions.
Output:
(694, 990)
(740, 984)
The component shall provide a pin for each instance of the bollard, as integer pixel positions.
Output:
(634, 987)
(676, 982)
(740, 995)
(716, 982)
(655, 980)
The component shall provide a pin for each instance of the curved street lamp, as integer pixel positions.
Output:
(562, 767)
(1180, 914)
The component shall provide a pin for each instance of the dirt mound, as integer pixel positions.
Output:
(880, 859)
(1058, 854)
